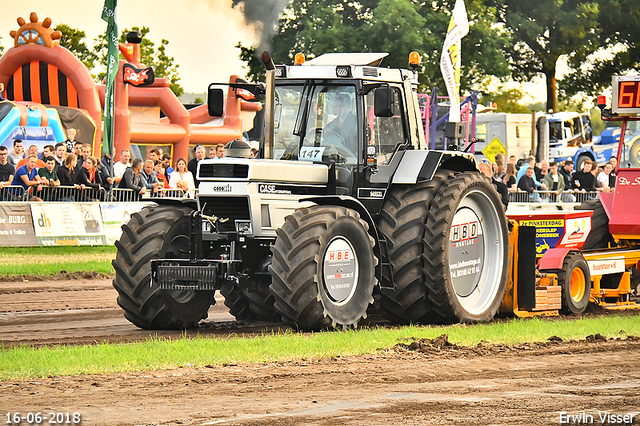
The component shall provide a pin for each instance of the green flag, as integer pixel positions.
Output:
(109, 14)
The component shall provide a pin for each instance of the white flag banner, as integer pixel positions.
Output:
(450, 59)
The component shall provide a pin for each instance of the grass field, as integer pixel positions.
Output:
(159, 354)
(52, 260)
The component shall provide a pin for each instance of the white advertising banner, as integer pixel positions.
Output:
(114, 215)
(450, 58)
(68, 224)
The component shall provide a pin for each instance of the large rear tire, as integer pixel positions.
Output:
(323, 268)
(254, 304)
(253, 301)
(402, 222)
(466, 249)
(237, 303)
(156, 232)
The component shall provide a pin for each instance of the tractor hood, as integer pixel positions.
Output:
(278, 171)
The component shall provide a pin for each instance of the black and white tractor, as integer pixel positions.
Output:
(345, 203)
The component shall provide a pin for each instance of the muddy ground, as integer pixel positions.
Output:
(423, 383)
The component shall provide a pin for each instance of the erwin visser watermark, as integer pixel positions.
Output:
(603, 418)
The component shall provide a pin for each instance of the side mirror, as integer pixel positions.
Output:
(215, 102)
(383, 102)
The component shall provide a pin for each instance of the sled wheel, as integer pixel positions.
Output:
(575, 280)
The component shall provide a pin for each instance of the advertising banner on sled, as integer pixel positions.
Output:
(16, 226)
(114, 215)
(68, 224)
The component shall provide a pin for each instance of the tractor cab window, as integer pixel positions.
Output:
(316, 123)
(385, 133)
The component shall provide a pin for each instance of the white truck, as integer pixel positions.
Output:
(513, 131)
(568, 136)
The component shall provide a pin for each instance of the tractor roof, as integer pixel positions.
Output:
(369, 59)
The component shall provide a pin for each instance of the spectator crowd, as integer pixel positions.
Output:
(71, 166)
(549, 181)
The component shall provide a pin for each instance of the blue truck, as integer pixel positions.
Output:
(571, 138)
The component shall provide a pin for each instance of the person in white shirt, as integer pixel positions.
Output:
(603, 177)
(122, 165)
(181, 173)
(17, 154)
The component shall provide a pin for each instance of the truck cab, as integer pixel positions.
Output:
(569, 133)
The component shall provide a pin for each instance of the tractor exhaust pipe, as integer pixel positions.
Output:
(269, 106)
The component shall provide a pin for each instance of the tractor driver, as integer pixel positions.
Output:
(341, 131)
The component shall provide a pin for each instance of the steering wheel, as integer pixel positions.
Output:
(334, 142)
(324, 136)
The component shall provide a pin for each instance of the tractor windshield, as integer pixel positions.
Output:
(316, 122)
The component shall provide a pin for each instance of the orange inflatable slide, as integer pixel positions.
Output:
(38, 70)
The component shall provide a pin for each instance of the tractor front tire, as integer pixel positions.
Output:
(323, 268)
(156, 232)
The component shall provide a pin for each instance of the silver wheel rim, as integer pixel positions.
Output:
(340, 271)
(476, 252)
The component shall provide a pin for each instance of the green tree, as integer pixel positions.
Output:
(619, 29)
(164, 65)
(314, 27)
(507, 100)
(543, 31)
(73, 40)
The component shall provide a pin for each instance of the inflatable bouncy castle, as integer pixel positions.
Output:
(48, 90)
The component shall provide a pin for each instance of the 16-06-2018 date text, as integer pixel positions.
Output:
(48, 418)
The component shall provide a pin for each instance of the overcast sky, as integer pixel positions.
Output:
(201, 33)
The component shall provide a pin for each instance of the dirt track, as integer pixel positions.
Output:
(85, 311)
(425, 384)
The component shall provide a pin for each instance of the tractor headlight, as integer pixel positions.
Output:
(243, 227)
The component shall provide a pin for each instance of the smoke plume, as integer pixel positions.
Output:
(263, 15)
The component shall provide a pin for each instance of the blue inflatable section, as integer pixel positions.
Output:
(33, 133)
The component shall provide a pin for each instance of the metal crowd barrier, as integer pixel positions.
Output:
(12, 193)
(124, 195)
(167, 192)
(565, 197)
(70, 193)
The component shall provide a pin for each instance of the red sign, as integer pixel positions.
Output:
(624, 215)
(138, 77)
(625, 95)
(338, 255)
